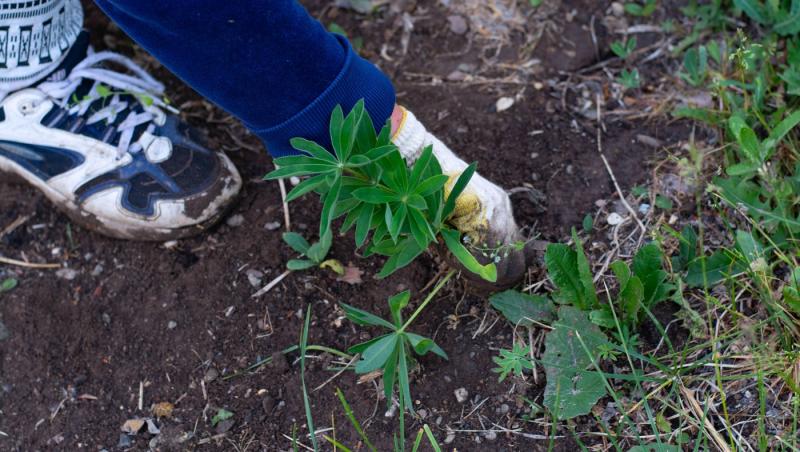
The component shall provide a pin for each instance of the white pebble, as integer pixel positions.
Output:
(67, 273)
(272, 225)
(461, 395)
(294, 180)
(644, 208)
(235, 220)
(504, 103)
(614, 219)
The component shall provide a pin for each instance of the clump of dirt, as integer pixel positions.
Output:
(175, 321)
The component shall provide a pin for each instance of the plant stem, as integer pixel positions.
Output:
(428, 299)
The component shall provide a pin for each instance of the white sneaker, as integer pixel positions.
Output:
(107, 150)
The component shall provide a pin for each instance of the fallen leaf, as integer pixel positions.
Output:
(334, 265)
(133, 426)
(163, 409)
(351, 275)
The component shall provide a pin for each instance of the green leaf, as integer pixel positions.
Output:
(361, 317)
(687, 247)
(562, 268)
(584, 271)
(420, 228)
(300, 170)
(431, 185)
(359, 348)
(396, 304)
(363, 224)
(328, 207)
(402, 372)
(380, 152)
(648, 268)
(655, 447)
(319, 250)
(300, 264)
(398, 220)
(587, 223)
(423, 345)
(779, 132)
(453, 242)
(421, 165)
(523, 309)
(753, 9)
(571, 389)
(335, 128)
(717, 267)
(375, 195)
(377, 354)
(8, 284)
(458, 188)
(313, 149)
(390, 373)
(306, 186)
(296, 241)
(222, 414)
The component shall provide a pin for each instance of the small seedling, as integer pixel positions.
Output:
(314, 254)
(392, 352)
(512, 361)
(636, 9)
(367, 181)
(222, 414)
(630, 79)
(624, 49)
(8, 284)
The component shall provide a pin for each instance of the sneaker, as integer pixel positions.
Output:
(107, 149)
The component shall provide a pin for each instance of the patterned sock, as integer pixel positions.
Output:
(34, 37)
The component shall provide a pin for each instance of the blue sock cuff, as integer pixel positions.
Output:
(358, 79)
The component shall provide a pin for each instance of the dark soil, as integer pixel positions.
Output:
(79, 350)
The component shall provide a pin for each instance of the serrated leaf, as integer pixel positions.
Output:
(523, 309)
(571, 389)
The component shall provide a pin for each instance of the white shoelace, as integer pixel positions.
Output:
(138, 84)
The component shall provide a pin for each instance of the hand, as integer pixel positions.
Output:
(483, 211)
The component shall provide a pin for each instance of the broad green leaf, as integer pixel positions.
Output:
(350, 129)
(376, 355)
(421, 165)
(300, 264)
(742, 169)
(562, 268)
(453, 242)
(420, 229)
(571, 388)
(296, 241)
(648, 268)
(717, 267)
(222, 414)
(784, 127)
(396, 304)
(431, 185)
(380, 152)
(423, 345)
(750, 247)
(523, 309)
(416, 201)
(331, 198)
(359, 348)
(687, 249)
(361, 317)
(363, 224)
(365, 135)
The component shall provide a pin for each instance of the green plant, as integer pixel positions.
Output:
(8, 284)
(315, 254)
(629, 79)
(222, 415)
(647, 9)
(392, 352)
(367, 181)
(624, 49)
(512, 361)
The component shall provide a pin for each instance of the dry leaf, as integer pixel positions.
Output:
(133, 426)
(352, 275)
(163, 409)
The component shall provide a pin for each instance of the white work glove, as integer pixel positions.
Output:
(483, 211)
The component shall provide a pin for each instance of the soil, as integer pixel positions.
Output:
(82, 353)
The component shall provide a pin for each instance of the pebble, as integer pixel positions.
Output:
(235, 220)
(152, 428)
(644, 208)
(614, 219)
(534, 155)
(617, 9)
(461, 395)
(423, 413)
(504, 103)
(503, 409)
(451, 436)
(211, 375)
(98, 269)
(254, 277)
(535, 176)
(570, 169)
(106, 318)
(294, 180)
(491, 435)
(171, 325)
(458, 24)
(272, 225)
(124, 441)
(67, 273)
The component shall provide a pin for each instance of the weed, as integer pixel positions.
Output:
(367, 181)
(8, 284)
(315, 254)
(624, 49)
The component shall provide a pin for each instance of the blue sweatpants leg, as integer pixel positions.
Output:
(267, 62)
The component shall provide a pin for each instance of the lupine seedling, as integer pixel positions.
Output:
(366, 181)
(313, 255)
(392, 352)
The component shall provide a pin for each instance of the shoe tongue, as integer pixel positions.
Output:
(77, 52)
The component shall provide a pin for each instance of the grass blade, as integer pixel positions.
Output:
(306, 401)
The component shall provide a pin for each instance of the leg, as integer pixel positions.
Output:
(267, 62)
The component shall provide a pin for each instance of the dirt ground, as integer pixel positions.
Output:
(167, 324)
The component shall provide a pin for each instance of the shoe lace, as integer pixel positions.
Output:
(135, 87)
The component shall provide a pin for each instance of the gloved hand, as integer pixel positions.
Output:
(483, 211)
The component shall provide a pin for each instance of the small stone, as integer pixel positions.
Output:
(98, 270)
(152, 428)
(211, 375)
(617, 9)
(535, 177)
(294, 180)
(456, 76)
(235, 221)
(124, 441)
(458, 24)
(132, 426)
(570, 169)
(171, 325)
(451, 436)
(504, 103)
(503, 409)
(491, 435)
(254, 277)
(272, 225)
(106, 318)
(614, 219)
(67, 273)
(644, 208)
(439, 420)
(534, 155)
(224, 426)
(423, 413)
(461, 395)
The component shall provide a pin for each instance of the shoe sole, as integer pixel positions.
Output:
(111, 228)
